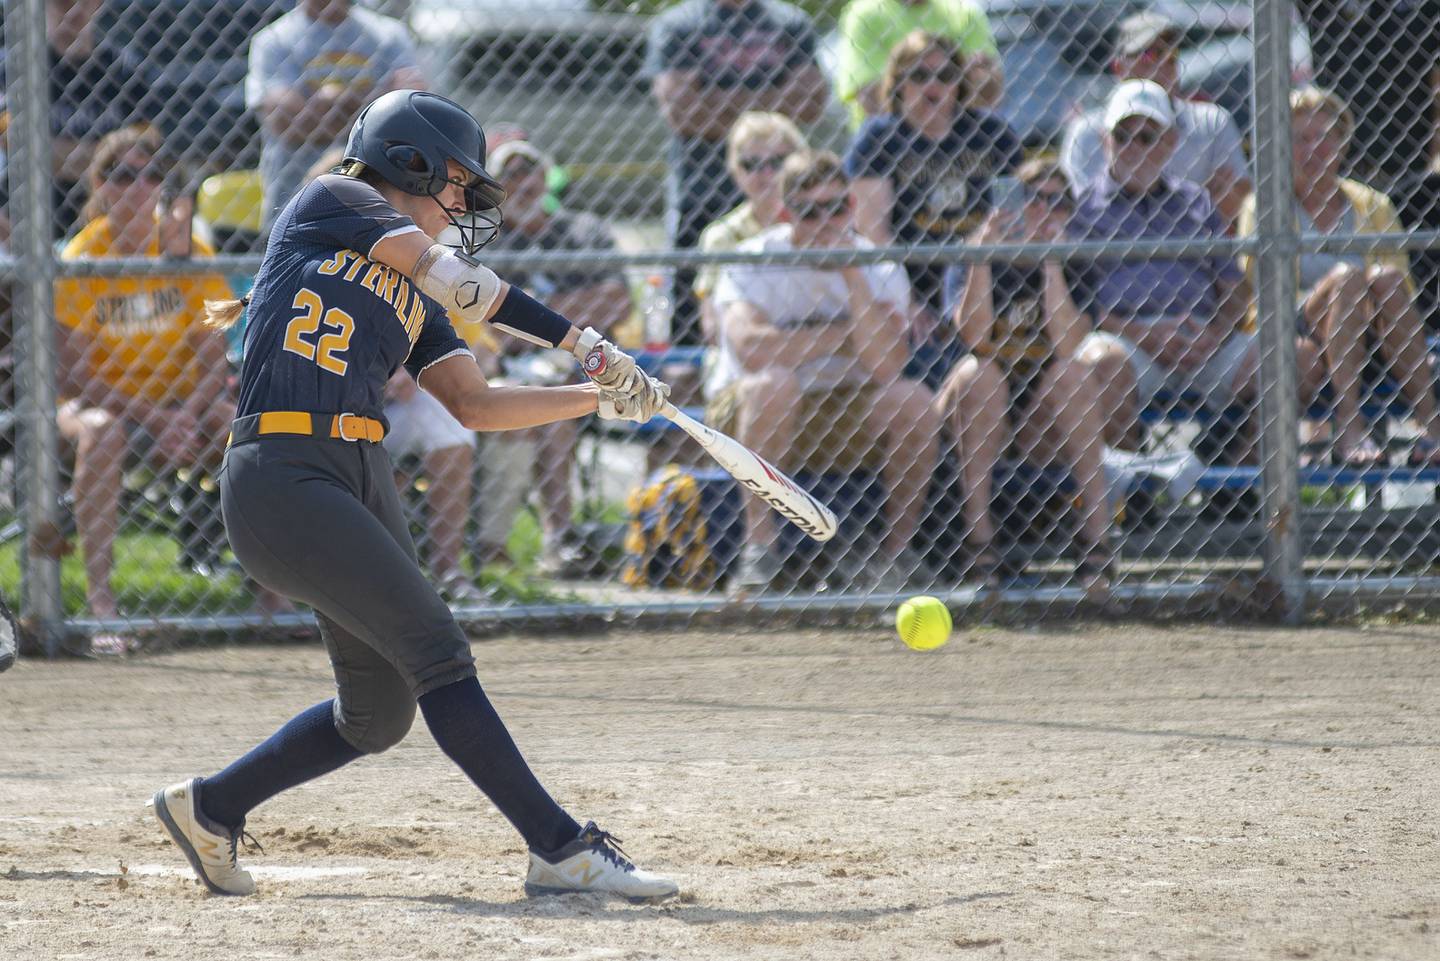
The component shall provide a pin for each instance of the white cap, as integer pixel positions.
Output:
(1139, 98)
(510, 149)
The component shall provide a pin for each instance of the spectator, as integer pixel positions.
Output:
(921, 172)
(447, 450)
(89, 97)
(1207, 151)
(1164, 323)
(310, 73)
(1022, 386)
(590, 298)
(804, 346)
(1381, 59)
(1359, 307)
(138, 373)
(870, 29)
(710, 61)
(757, 147)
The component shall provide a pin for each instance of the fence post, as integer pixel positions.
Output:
(1275, 294)
(28, 97)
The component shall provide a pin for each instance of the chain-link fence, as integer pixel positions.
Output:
(1100, 302)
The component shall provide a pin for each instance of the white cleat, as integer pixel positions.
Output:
(594, 862)
(209, 847)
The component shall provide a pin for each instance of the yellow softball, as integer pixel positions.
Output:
(923, 623)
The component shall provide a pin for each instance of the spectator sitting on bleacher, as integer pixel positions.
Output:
(1167, 323)
(310, 73)
(596, 298)
(708, 61)
(1207, 150)
(870, 29)
(758, 145)
(809, 370)
(1359, 307)
(138, 372)
(1022, 387)
(921, 173)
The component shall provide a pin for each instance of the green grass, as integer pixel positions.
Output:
(148, 582)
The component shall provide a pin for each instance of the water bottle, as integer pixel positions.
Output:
(656, 310)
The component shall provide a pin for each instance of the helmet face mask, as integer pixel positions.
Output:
(409, 137)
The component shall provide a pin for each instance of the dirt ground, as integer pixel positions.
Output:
(1071, 792)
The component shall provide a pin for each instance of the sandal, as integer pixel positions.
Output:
(1360, 456)
(110, 644)
(989, 567)
(1096, 566)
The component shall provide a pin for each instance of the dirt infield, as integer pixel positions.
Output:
(1135, 792)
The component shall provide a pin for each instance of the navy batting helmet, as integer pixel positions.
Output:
(407, 136)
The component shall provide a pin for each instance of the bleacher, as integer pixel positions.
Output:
(1221, 520)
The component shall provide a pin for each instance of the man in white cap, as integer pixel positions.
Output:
(1208, 148)
(1168, 324)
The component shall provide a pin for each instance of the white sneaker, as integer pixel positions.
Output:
(209, 847)
(594, 862)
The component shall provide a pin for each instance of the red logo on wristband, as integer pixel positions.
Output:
(594, 363)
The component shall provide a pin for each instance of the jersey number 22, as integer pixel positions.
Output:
(327, 349)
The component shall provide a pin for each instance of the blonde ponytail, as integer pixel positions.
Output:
(222, 314)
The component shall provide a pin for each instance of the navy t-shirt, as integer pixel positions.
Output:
(327, 326)
(940, 185)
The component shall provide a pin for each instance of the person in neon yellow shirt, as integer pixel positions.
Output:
(870, 29)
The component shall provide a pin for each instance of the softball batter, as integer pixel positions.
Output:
(353, 284)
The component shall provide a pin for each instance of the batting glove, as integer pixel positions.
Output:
(640, 406)
(607, 365)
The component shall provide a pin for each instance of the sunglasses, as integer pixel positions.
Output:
(128, 174)
(1157, 52)
(1053, 199)
(770, 164)
(1145, 136)
(816, 209)
(947, 74)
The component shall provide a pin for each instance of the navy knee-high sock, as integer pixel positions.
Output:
(305, 748)
(469, 731)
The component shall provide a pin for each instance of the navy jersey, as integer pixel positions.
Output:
(327, 326)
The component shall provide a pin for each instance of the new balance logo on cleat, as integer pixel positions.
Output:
(210, 848)
(594, 862)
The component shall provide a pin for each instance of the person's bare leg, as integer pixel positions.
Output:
(904, 417)
(1342, 311)
(1067, 412)
(1116, 403)
(558, 443)
(100, 442)
(976, 400)
(1402, 346)
(450, 470)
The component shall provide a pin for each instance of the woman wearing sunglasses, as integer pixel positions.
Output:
(140, 378)
(756, 149)
(921, 173)
(1021, 388)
